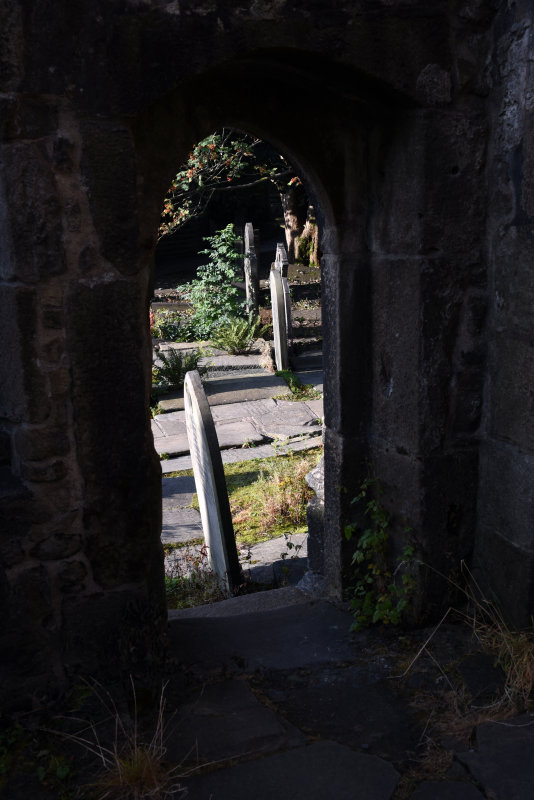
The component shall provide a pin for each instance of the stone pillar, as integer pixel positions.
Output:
(81, 567)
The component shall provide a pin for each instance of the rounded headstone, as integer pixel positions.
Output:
(210, 483)
(279, 320)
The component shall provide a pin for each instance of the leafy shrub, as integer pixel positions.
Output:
(237, 335)
(175, 364)
(213, 295)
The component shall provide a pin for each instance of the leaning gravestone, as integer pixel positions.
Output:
(281, 264)
(252, 286)
(287, 307)
(210, 484)
(279, 319)
(280, 261)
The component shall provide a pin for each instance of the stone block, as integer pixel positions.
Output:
(109, 170)
(513, 297)
(505, 498)
(11, 61)
(5, 447)
(56, 546)
(511, 398)
(37, 444)
(502, 761)
(396, 342)
(30, 596)
(22, 384)
(26, 117)
(34, 220)
(71, 576)
(44, 473)
(53, 349)
(506, 575)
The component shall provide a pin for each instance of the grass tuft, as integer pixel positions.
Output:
(132, 765)
(190, 581)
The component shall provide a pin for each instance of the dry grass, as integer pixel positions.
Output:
(513, 652)
(450, 715)
(190, 581)
(285, 495)
(433, 763)
(132, 765)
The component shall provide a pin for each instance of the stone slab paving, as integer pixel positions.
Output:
(248, 422)
(254, 409)
(289, 419)
(308, 367)
(247, 454)
(229, 434)
(180, 525)
(447, 790)
(305, 709)
(508, 743)
(278, 562)
(224, 720)
(245, 604)
(178, 492)
(258, 385)
(316, 772)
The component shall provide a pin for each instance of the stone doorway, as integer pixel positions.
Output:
(396, 162)
(254, 419)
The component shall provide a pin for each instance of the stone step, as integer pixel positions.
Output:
(257, 384)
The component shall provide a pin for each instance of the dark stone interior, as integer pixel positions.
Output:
(413, 126)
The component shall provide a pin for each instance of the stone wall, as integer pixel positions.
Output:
(505, 534)
(388, 108)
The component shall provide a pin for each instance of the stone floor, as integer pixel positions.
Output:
(277, 699)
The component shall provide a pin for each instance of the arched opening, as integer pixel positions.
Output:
(268, 424)
(162, 130)
(366, 157)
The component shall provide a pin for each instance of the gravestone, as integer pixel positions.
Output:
(281, 264)
(210, 484)
(251, 269)
(287, 307)
(279, 319)
(280, 261)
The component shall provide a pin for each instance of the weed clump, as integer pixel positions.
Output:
(190, 581)
(297, 389)
(237, 335)
(175, 365)
(275, 503)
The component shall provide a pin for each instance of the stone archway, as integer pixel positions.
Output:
(366, 105)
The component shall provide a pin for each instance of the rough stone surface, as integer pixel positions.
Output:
(446, 790)
(312, 638)
(509, 743)
(311, 773)
(226, 721)
(421, 171)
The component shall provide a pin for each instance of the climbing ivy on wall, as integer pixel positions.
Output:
(379, 595)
